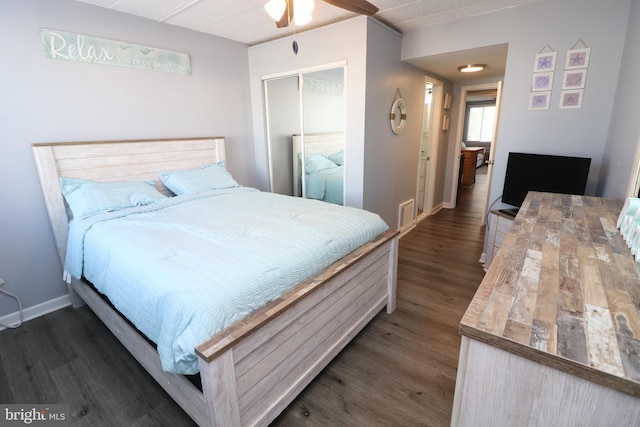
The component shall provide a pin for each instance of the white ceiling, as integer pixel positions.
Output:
(246, 20)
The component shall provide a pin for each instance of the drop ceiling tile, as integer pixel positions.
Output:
(246, 20)
(151, 9)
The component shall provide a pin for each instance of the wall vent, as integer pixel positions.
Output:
(405, 215)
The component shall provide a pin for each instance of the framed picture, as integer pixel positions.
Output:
(539, 100)
(445, 123)
(542, 81)
(545, 62)
(447, 101)
(577, 58)
(574, 79)
(571, 98)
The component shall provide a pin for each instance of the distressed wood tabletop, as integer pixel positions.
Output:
(564, 290)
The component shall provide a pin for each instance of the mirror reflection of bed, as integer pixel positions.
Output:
(321, 176)
(306, 102)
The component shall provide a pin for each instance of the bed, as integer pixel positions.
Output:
(324, 166)
(251, 370)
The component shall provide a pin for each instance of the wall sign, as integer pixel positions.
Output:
(83, 48)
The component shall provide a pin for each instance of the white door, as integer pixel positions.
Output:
(424, 147)
(429, 142)
(492, 151)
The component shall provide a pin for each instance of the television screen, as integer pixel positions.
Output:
(541, 172)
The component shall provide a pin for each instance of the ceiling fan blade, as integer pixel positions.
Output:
(287, 16)
(362, 7)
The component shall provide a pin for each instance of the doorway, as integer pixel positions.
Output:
(429, 142)
(469, 133)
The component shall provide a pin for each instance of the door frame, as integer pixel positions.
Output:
(437, 93)
(464, 90)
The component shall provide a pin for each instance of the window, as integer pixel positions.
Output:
(479, 120)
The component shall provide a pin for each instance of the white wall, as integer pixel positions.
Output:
(45, 100)
(625, 126)
(391, 161)
(601, 24)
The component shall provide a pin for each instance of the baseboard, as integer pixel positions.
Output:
(36, 311)
(437, 208)
(407, 229)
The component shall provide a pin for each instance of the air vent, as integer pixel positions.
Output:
(405, 215)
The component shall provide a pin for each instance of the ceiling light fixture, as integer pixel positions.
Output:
(301, 10)
(471, 68)
(275, 8)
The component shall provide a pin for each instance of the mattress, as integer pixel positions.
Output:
(189, 266)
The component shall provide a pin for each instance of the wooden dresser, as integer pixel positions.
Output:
(552, 336)
(469, 169)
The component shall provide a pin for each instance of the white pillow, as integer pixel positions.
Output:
(87, 198)
(189, 181)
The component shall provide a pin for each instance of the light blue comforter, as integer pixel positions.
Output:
(189, 266)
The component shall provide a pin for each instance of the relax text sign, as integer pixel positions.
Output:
(82, 48)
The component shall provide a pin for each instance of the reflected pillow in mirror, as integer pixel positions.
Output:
(337, 158)
(318, 162)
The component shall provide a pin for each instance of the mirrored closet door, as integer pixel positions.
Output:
(305, 115)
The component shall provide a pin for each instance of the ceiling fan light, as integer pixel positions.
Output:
(301, 19)
(303, 7)
(275, 8)
(471, 68)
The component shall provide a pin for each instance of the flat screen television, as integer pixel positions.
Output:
(542, 172)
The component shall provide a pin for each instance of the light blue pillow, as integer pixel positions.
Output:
(318, 162)
(90, 197)
(337, 158)
(189, 181)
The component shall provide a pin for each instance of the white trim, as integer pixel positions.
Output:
(36, 310)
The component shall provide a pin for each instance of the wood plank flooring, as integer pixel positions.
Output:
(399, 371)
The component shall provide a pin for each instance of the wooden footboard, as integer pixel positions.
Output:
(253, 370)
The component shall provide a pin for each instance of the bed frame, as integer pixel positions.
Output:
(251, 371)
(314, 143)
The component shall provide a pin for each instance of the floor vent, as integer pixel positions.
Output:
(405, 215)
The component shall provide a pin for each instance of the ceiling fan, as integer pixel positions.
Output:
(282, 11)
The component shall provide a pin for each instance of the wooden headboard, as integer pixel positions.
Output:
(315, 143)
(113, 161)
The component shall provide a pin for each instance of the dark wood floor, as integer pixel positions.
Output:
(399, 371)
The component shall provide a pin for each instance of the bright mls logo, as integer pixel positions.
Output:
(35, 415)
